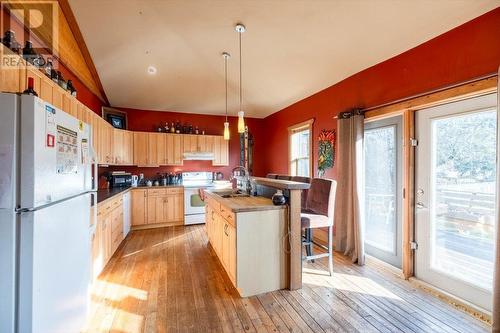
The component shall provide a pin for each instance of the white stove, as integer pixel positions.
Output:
(194, 207)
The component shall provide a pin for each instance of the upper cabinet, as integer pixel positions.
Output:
(141, 148)
(123, 145)
(173, 147)
(114, 146)
(198, 143)
(221, 151)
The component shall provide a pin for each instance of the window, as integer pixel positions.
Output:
(300, 148)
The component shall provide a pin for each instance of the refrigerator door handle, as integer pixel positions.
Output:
(20, 210)
(95, 167)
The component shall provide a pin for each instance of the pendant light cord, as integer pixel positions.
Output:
(225, 79)
(240, 69)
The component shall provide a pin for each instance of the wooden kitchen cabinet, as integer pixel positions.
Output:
(10, 78)
(140, 148)
(116, 227)
(105, 142)
(139, 206)
(175, 207)
(161, 148)
(229, 249)
(97, 253)
(118, 139)
(57, 96)
(174, 148)
(122, 147)
(197, 143)
(45, 92)
(128, 148)
(221, 151)
(107, 227)
(157, 205)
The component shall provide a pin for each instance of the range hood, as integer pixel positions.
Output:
(198, 156)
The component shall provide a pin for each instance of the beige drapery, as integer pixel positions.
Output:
(349, 210)
(495, 314)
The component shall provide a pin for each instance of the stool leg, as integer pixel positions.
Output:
(330, 250)
(309, 252)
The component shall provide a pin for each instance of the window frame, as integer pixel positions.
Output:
(303, 126)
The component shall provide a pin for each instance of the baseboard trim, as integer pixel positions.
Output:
(156, 225)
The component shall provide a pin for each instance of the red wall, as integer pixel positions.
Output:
(466, 52)
(144, 120)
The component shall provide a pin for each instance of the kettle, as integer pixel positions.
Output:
(135, 180)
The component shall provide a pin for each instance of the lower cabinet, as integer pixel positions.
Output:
(222, 235)
(160, 205)
(108, 233)
(139, 206)
(229, 249)
(249, 246)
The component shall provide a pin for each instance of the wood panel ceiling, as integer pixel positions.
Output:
(69, 47)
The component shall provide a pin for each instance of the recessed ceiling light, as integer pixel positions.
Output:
(152, 70)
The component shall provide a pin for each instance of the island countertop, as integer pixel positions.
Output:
(243, 204)
(280, 184)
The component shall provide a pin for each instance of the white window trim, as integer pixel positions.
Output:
(305, 125)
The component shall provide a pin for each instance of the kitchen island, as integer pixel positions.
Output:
(248, 234)
(293, 192)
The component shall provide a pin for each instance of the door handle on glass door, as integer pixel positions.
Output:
(420, 205)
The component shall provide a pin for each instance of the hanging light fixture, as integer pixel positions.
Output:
(240, 28)
(226, 56)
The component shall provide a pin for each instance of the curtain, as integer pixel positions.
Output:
(349, 210)
(495, 314)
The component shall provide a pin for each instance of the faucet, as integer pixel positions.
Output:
(246, 175)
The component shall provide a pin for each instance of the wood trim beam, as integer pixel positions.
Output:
(77, 34)
(448, 95)
(408, 193)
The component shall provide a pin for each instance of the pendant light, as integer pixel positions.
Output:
(240, 28)
(226, 56)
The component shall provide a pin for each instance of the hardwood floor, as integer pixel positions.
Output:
(169, 280)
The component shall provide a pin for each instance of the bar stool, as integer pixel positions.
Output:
(319, 214)
(303, 194)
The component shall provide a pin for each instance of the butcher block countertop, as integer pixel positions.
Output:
(281, 184)
(242, 204)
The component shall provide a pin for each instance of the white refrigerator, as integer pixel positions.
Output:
(46, 188)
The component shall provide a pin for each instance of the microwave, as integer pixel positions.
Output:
(120, 180)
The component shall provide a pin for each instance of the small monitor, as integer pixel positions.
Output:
(116, 121)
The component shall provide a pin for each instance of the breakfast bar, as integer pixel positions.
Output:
(294, 254)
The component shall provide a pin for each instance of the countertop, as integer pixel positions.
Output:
(244, 204)
(281, 184)
(108, 193)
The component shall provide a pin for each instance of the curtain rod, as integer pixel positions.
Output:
(487, 76)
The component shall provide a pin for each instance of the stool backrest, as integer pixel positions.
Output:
(303, 194)
(271, 175)
(321, 196)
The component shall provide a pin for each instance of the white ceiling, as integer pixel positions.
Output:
(292, 48)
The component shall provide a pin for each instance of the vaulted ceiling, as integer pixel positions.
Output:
(291, 49)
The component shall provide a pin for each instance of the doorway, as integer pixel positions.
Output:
(383, 189)
(456, 197)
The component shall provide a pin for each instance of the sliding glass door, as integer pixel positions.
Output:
(383, 197)
(455, 197)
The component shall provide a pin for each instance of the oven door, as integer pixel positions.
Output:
(194, 207)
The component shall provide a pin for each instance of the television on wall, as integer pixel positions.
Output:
(117, 118)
